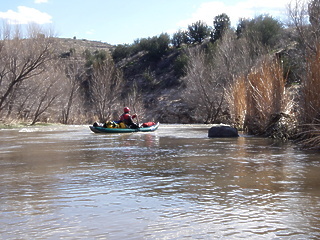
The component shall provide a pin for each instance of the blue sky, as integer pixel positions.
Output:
(123, 21)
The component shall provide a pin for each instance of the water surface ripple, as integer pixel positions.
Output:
(64, 182)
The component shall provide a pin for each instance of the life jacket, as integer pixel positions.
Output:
(126, 118)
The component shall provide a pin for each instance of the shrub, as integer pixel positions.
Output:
(263, 28)
(155, 47)
(180, 65)
(158, 46)
(120, 52)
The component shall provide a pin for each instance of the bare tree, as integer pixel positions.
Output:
(105, 85)
(300, 15)
(204, 91)
(21, 59)
(75, 71)
(212, 70)
(38, 95)
(44, 99)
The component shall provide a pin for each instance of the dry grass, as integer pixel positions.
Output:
(310, 103)
(238, 101)
(311, 89)
(310, 137)
(259, 95)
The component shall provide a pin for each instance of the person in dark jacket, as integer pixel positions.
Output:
(128, 119)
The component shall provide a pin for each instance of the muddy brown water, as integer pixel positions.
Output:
(65, 182)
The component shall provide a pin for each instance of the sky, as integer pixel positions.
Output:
(123, 21)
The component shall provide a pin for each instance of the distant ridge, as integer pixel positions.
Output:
(80, 45)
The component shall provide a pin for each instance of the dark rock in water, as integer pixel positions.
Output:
(222, 131)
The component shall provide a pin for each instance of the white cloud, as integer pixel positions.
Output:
(26, 15)
(40, 1)
(243, 9)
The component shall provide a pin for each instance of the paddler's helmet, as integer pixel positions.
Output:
(126, 110)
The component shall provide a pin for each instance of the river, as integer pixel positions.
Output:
(65, 182)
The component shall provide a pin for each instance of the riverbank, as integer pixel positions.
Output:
(15, 124)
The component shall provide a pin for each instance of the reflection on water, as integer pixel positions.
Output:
(66, 182)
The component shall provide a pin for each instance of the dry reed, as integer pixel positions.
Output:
(258, 96)
(238, 103)
(311, 89)
(310, 103)
(310, 137)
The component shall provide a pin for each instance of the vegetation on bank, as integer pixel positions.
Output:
(18, 125)
(262, 77)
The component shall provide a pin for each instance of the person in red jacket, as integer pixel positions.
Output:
(128, 119)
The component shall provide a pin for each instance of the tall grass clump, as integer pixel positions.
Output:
(237, 98)
(310, 136)
(311, 89)
(310, 103)
(265, 94)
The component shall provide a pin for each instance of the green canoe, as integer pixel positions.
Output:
(99, 129)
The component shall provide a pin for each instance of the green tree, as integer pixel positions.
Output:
(198, 32)
(159, 45)
(154, 46)
(220, 24)
(263, 28)
(120, 52)
(242, 26)
(269, 29)
(179, 38)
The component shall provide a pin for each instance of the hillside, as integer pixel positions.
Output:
(160, 86)
(82, 44)
(158, 83)
(66, 45)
